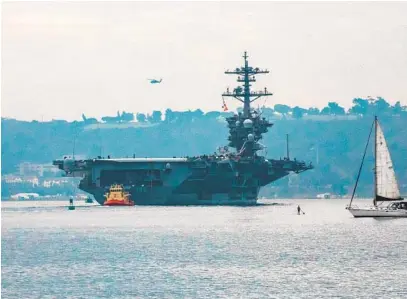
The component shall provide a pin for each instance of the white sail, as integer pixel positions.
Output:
(386, 181)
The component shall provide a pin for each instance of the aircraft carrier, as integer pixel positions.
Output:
(233, 176)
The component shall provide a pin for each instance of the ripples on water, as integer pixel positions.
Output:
(265, 251)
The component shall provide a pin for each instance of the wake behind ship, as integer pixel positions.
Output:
(231, 177)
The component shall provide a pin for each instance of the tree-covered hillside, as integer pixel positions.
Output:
(333, 144)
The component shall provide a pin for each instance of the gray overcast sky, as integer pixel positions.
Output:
(62, 59)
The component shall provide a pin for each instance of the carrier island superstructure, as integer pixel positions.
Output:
(233, 176)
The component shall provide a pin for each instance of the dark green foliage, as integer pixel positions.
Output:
(377, 106)
(333, 109)
(212, 114)
(169, 115)
(155, 117)
(89, 120)
(335, 147)
(141, 117)
(298, 112)
(127, 116)
(124, 117)
(313, 111)
(283, 109)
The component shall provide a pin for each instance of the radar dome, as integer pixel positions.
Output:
(68, 164)
(248, 124)
(250, 137)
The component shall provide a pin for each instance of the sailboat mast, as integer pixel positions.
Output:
(361, 164)
(288, 150)
(375, 161)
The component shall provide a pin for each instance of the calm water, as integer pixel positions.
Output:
(201, 252)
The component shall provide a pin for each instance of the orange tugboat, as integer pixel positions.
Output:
(117, 197)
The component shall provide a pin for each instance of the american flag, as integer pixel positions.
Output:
(224, 107)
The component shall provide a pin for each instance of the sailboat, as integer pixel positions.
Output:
(386, 188)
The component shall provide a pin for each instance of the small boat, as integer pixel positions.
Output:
(386, 188)
(118, 197)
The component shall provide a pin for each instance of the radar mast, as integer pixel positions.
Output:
(246, 75)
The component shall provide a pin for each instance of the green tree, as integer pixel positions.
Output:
(156, 116)
(141, 117)
(283, 109)
(298, 112)
(360, 106)
(313, 111)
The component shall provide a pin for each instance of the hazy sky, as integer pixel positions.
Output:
(62, 59)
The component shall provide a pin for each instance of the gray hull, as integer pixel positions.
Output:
(176, 181)
(160, 196)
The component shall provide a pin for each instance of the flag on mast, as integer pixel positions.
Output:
(224, 107)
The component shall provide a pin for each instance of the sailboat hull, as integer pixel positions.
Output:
(377, 212)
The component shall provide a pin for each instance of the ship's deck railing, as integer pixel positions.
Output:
(141, 160)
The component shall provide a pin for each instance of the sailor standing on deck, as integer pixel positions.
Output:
(299, 210)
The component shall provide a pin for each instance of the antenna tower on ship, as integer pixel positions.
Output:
(243, 93)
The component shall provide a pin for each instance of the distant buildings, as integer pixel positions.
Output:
(13, 179)
(324, 195)
(26, 169)
(32, 179)
(22, 196)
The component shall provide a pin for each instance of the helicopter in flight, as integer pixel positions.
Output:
(155, 81)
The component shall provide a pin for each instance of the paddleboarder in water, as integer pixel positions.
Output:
(71, 206)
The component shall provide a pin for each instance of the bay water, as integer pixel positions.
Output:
(265, 251)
